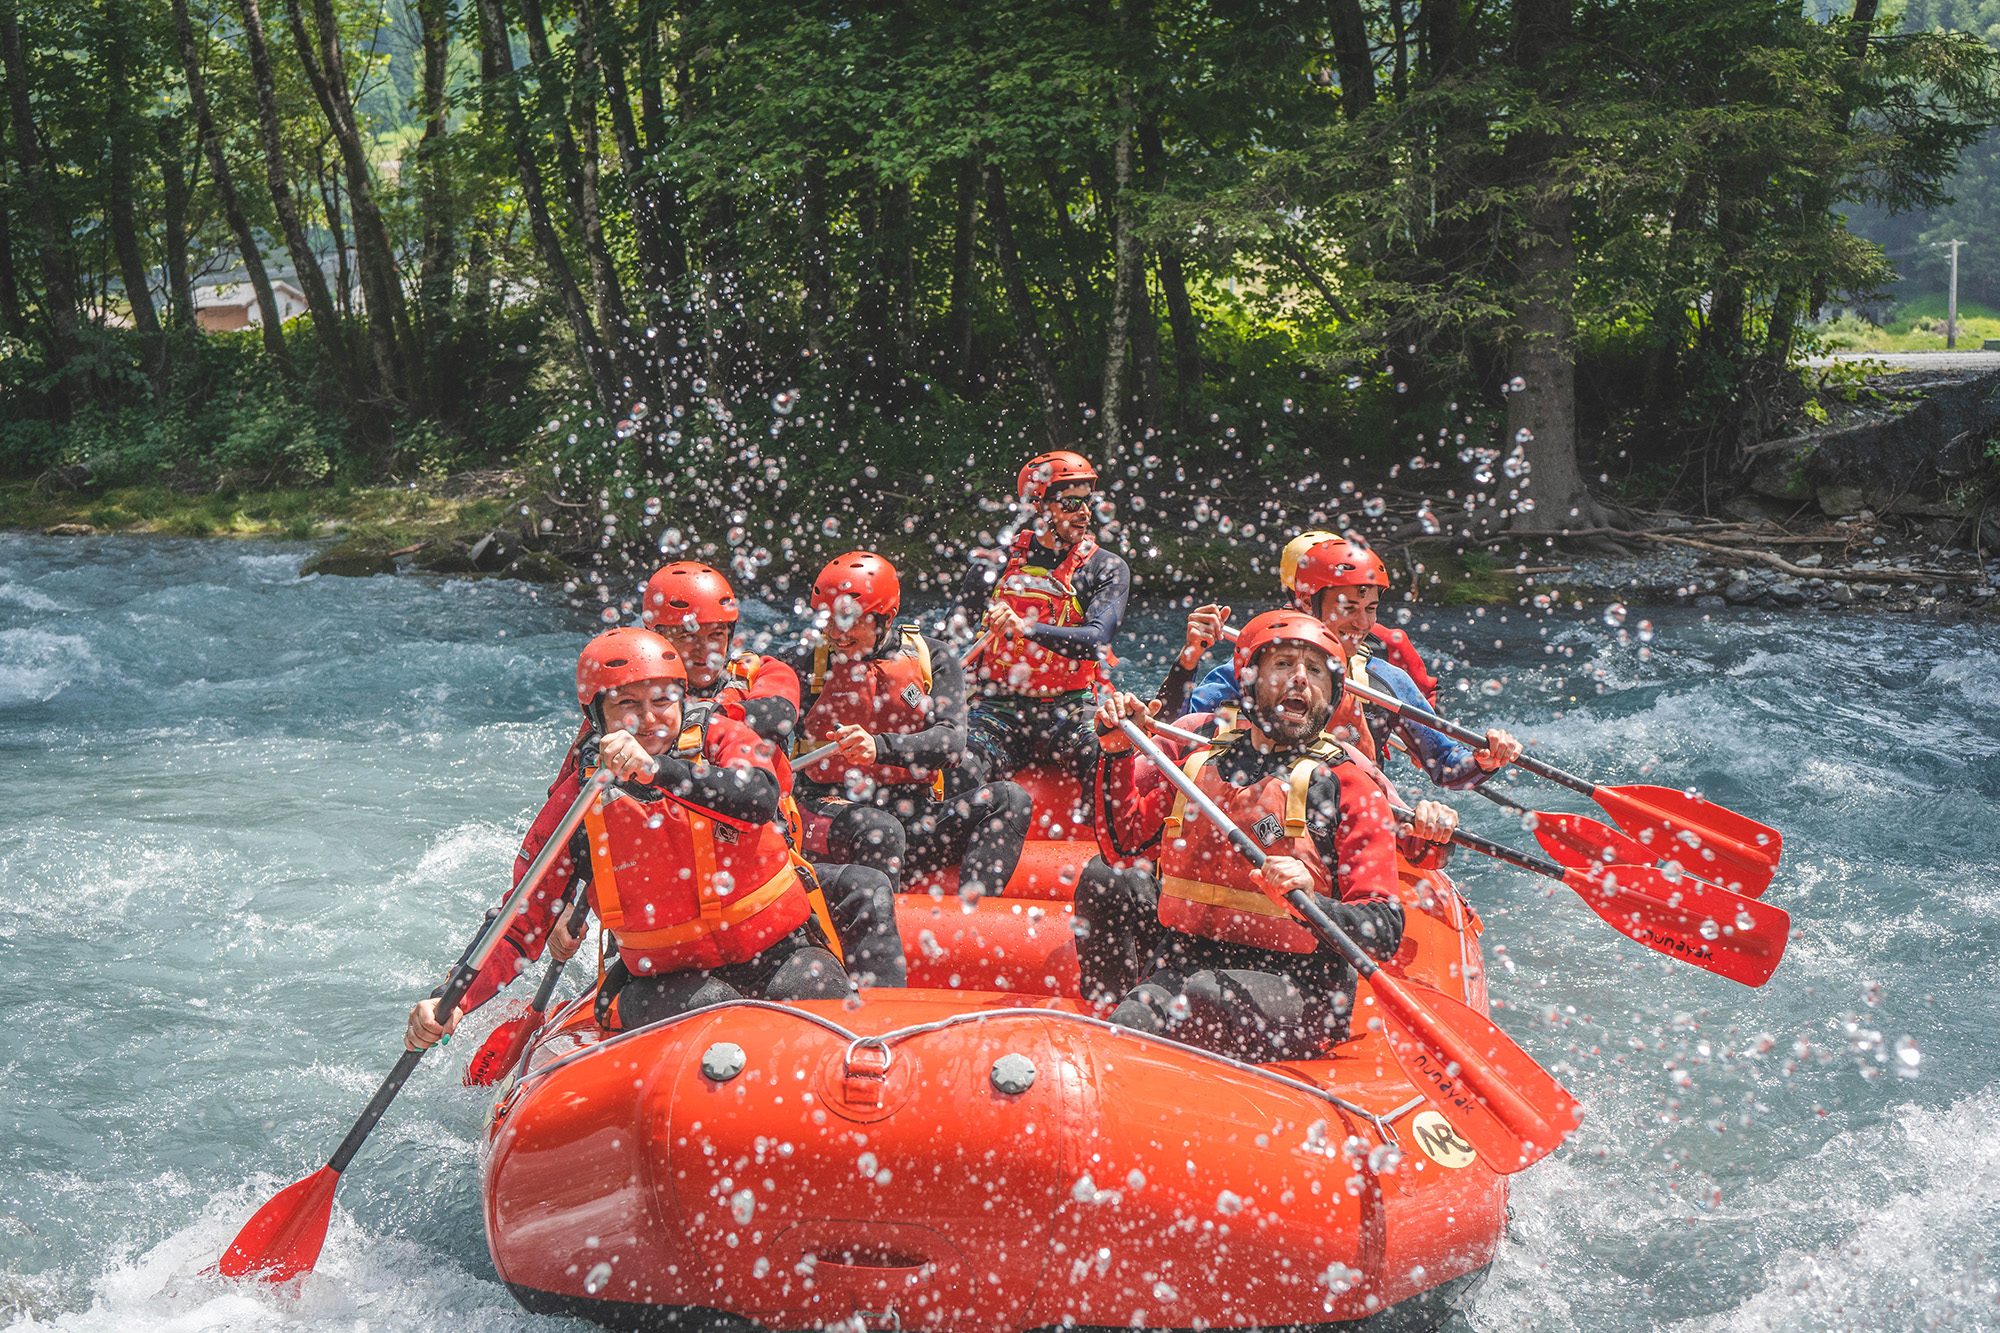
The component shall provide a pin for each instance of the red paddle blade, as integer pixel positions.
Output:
(283, 1238)
(1730, 934)
(501, 1049)
(1590, 844)
(1510, 1109)
(1710, 840)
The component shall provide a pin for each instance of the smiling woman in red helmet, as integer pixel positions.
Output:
(1051, 604)
(687, 867)
(894, 699)
(1226, 968)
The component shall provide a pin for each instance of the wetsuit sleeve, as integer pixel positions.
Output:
(942, 744)
(1215, 689)
(1103, 585)
(1131, 799)
(975, 590)
(770, 707)
(1350, 825)
(529, 934)
(734, 780)
(1447, 762)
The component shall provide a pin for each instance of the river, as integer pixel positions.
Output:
(251, 816)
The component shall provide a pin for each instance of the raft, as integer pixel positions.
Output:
(988, 1157)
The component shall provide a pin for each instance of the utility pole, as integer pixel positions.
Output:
(1951, 301)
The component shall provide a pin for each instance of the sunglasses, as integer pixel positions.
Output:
(1071, 504)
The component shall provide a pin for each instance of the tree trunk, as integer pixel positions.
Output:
(434, 199)
(579, 177)
(1173, 279)
(13, 319)
(381, 283)
(174, 191)
(500, 101)
(1399, 71)
(1352, 57)
(1069, 299)
(1128, 275)
(312, 282)
(899, 268)
(329, 198)
(58, 288)
(1027, 327)
(121, 122)
(601, 27)
(225, 190)
(1541, 408)
(815, 248)
(959, 321)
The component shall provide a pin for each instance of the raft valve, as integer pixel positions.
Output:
(1013, 1074)
(722, 1061)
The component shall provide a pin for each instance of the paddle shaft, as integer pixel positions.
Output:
(1243, 843)
(466, 971)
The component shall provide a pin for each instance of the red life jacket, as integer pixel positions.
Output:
(1046, 596)
(682, 889)
(885, 695)
(1347, 723)
(1403, 653)
(1206, 887)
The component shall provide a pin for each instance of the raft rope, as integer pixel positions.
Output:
(1381, 1121)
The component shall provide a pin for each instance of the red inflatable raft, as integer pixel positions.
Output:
(991, 1157)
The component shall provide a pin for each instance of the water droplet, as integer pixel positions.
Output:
(743, 1207)
(597, 1278)
(1614, 614)
(653, 506)
(1516, 385)
(1491, 688)
(784, 402)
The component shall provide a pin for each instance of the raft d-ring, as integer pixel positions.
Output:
(879, 1319)
(864, 1071)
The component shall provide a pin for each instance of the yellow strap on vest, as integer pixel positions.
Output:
(1219, 895)
(1177, 812)
(821, 655)
(701, 836)
(1295, 798)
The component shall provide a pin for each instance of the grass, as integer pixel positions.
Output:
(1918, 326)
(401, 514)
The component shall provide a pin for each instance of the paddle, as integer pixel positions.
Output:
(1689, 919)
(501, 1050)
(283, 1238)
(1508, 1107)
(1586, 843)
(1726, 933)
(1742, 852)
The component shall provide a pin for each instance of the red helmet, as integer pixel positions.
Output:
(1288, 627)
(1338, 562)
(686, 592)
(866, 577)
(1053, 469)
(625, 656)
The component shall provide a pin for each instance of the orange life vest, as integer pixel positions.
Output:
(1019, 665)
(1347, 723)
(889, 694)
(682, 889)
(1206, 887)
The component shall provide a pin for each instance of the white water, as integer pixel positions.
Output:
(252, 816)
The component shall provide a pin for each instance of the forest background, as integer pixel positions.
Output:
(741, 277)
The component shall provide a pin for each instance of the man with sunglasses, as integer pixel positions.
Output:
(1050, 611)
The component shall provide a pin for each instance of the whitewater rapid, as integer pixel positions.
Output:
(251, 816)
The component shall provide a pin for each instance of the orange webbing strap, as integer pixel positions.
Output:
(701, 836)
(816, 895)
(1219, 895)
(603, 878)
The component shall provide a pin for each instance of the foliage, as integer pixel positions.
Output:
(1220, 245)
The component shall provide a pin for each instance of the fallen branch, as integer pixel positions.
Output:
(1784, 566)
